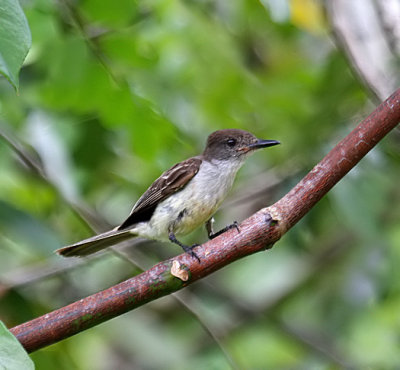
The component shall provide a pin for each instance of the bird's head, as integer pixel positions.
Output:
(233, 143)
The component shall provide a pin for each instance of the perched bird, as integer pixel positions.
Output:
(183, 197)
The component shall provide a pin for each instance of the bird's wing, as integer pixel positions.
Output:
(168, 183)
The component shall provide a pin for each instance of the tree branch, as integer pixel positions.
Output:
(256, 233)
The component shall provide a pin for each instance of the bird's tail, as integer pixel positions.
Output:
(95, 243)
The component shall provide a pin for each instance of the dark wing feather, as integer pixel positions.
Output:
(95, 243)
(168, 183)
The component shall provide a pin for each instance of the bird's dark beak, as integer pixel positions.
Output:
(263, 144)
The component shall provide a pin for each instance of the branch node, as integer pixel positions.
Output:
(274, 218)
(179, 271)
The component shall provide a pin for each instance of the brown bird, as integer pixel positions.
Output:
(183, 197)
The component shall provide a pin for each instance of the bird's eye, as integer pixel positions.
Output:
(231, 142)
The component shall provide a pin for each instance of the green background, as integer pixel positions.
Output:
(112, 94)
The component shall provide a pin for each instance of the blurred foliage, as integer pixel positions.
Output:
(12, 354)
(112, 95)
(15, 40)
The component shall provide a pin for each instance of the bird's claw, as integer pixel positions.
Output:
(191, 252)
(234, 225)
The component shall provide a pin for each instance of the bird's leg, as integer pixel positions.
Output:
(212, 235)
(186, 248)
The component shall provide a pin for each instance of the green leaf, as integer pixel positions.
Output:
(12, 354)
(15, 40)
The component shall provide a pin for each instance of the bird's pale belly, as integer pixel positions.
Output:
(191, 219)
(182, 218)
(189, 208)
(180, 215)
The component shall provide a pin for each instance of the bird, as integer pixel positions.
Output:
(183, 197)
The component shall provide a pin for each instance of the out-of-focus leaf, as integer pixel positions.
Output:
(359, 200)
(53, 154)
(261, 347)
(106, 13)
(22, 228)
(15, 40)
(307, 14)
(382, 324)
(12, 354)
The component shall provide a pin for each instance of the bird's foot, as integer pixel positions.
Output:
(188, 249)
(233, 225)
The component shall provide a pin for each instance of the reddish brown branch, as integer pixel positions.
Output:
(256, 234)
(340, 160)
